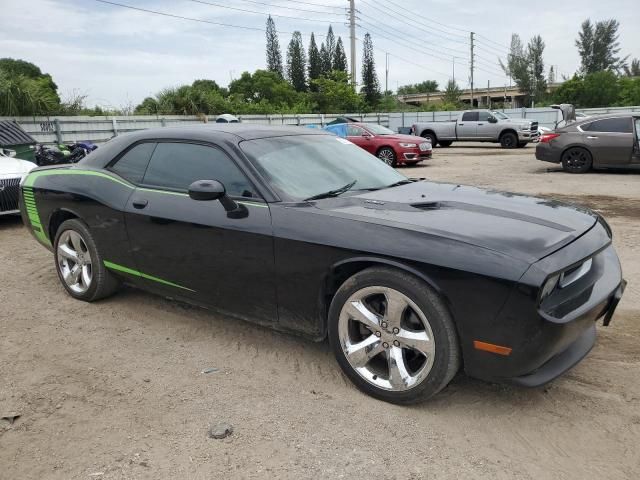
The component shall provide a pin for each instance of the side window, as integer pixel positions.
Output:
(178, 165)
(470, 117)
(353, 131)
(610, 125)
(133, 164)
(483, 116)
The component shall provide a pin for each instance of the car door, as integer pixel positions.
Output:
(193, 249)
(357, 135)
(610, 140)
(484, 129)
(468, 126)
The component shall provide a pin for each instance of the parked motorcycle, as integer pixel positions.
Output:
(62, 153)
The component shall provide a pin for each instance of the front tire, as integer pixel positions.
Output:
(393, 336)
(509, 140)
(576, 160)
(388, 156)
(79, 265)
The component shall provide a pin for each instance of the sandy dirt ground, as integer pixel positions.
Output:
(115, 389)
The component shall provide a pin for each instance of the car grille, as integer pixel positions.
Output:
(9, 190)
(534, 126)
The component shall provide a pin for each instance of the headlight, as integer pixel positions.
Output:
(549, 286)
(408, 145)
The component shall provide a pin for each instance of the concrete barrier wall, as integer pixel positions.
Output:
(50, 130)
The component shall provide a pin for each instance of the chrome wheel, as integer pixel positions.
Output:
(387, 156)
(386, 338)
(74, 261)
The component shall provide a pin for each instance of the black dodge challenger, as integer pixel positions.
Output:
(302, 231)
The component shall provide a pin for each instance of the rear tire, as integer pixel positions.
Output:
(393, 336)
(509, 140)
(522, 144)
(445, 143)
(576, 160)
(388, 156)
(79, 265)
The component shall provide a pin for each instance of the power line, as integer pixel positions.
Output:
(432, 21)
(259, 13)
(297, 9)
(402, 16)
(459, 52)
(199, 20)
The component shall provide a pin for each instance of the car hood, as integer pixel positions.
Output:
(523, 227)
(10, 166)
(518, 122)
(404, 138)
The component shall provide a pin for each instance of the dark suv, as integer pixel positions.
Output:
(603, 141)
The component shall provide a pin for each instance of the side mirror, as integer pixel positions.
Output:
(492, 120)
(204, 190)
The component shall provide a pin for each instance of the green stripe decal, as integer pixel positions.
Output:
(33, 176)
(131, 271)
(34, 217)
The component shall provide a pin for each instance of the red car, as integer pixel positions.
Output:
(390, 147)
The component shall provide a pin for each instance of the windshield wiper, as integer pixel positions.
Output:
(332, 193)
(401, 182)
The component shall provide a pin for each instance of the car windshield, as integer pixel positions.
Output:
(379, 129)
(500, 115)
(303, 166)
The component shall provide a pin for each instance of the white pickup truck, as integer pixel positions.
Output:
(479, 126)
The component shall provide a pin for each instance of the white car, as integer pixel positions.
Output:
(12, 171)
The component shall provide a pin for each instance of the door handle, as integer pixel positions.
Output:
(140, 203)
(480, 124)
(461, 124)
(591, 137)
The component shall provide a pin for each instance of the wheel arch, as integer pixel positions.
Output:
(577, 145)
(57, 218)
(341, 271)
(430, 132)
(508, 130)
(389, 147)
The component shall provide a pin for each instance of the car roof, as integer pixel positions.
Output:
(215, 132)
(602, 116)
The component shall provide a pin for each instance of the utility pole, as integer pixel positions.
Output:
(489, 94)
(386, 78)
(472, 59)
(453, 65)
(352, 28)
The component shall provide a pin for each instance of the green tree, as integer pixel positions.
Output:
(452, 93)
(334, 94)
(634, 69)
(629, 91)
(598, 47)
(571, 91)
(517, 66)
(340, 57)
(601, 89)
(21, 95)
(296, 63)
(370, 84)
(265, 86)
(428, 86)
(330, 50)
(323, 64)
(149, 106)
(551, 78)
(314, 67)
(274, 56)
(538, 81)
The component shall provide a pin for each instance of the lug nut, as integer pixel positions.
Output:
(384, 324)
(396, 330)
(396, 343)
(385, 345)
(378, 334)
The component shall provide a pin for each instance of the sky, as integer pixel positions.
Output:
(118, 56)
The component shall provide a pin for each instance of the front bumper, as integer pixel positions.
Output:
(574, 353)
(527, 135)
(413, 155)
(547, 338)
